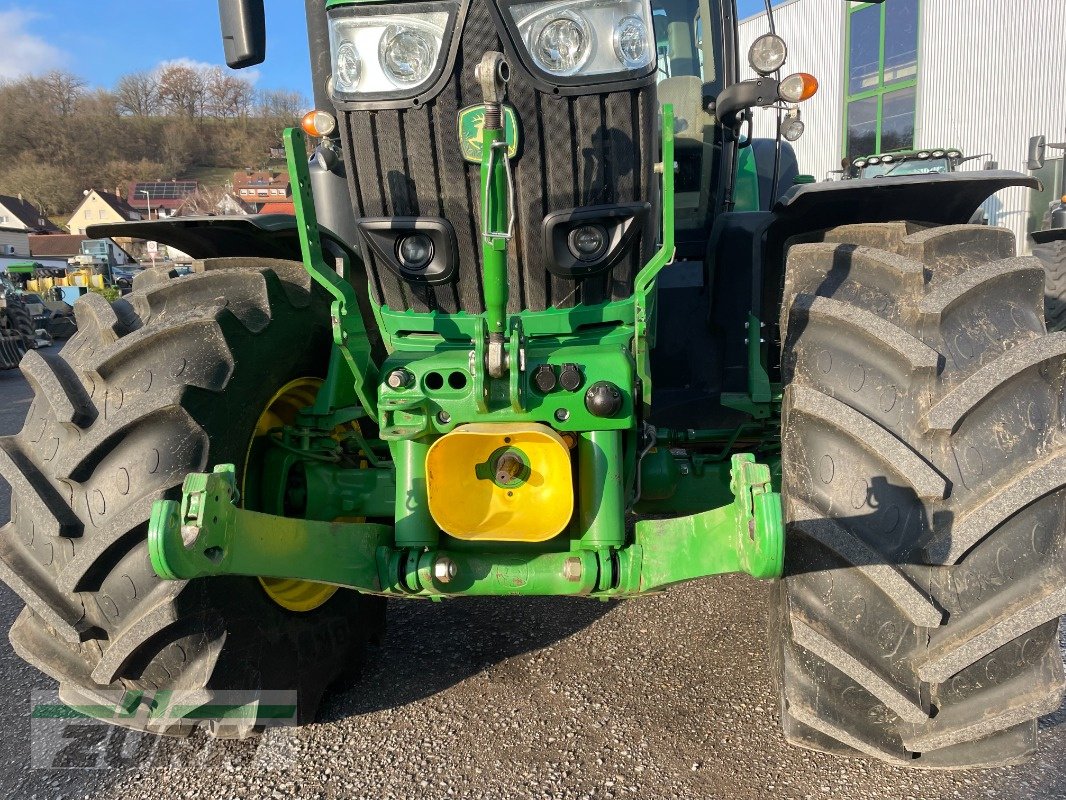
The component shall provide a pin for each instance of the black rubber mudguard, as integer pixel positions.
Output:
(1049, 236)
(746, 249)
(258, 236)
(947, 199)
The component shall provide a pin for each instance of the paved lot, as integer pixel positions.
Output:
(655, 698)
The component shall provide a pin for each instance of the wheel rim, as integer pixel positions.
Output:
(289, 593)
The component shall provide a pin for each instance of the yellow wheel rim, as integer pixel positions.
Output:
(291, 594)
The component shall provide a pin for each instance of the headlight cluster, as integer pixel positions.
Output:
(385, 53)
(586, 37)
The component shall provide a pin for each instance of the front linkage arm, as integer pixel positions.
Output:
(208, 534)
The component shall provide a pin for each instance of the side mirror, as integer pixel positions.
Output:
(243, 32)
(1037, 153)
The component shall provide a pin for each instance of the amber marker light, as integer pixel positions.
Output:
(797, 87)
(318, 123)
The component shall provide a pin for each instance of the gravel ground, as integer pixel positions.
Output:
(657, 698)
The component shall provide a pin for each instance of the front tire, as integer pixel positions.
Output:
(923, 473)
(169, 380)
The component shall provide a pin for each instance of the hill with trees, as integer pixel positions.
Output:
(59, 137)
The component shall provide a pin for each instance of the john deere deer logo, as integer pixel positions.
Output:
(472, 123)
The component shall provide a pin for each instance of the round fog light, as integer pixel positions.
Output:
(588, 242)
(415, 251)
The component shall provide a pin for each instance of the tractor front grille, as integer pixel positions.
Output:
(575, 151)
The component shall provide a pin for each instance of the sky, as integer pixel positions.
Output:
(104, 39)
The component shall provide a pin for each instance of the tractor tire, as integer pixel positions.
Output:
(21, 321)
(12, 348)
(168, 380)
(923, 468)
(1053, 256)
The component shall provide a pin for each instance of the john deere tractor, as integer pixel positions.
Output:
(520, 340)
(17, 329)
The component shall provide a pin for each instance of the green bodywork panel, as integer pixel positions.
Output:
(746, 189)
(208, 534)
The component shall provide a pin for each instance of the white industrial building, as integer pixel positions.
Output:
(981, 76)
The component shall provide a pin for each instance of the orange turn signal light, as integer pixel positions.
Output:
(318, 123)
(797, 87)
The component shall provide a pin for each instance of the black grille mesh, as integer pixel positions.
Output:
(575, 151)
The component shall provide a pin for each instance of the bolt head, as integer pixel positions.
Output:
(443, 417)
(444, 569)
(399, 379)
(572, 569)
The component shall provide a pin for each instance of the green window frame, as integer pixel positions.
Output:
(880, 94)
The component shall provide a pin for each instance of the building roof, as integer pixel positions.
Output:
(56, 245)
(161, 194)
(27, 214)
(278, 208)
(119, 206)
(259, 178)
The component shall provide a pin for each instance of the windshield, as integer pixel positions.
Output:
(912, 166)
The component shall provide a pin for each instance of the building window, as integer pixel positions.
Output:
(882, 77)
(88, 214)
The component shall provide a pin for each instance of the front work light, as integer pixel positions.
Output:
(792, 128)
(767, 54)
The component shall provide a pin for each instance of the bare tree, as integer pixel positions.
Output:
(228, 96)
(280, 109)
(183, 90)
(63, 89)
(51, 188)
(138, 94)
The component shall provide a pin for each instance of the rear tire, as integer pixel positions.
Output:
(169, 380)
(1053, 256)
(923, 471)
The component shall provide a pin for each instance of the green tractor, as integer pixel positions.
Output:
(1049, 241)
(520, 340)
(18, 331)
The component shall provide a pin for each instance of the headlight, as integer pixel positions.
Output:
(767, 54)
(386, 52)
(563, 43)
(585, 38)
